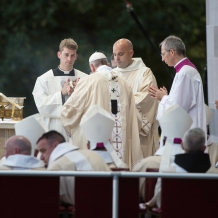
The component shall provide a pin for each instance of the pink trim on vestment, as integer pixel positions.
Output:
(177, 141)
(183, 63)
(100, 145)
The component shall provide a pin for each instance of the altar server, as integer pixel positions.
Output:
(54, 87)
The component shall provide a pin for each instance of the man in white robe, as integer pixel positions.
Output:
(59, 155)
(54, 87)
(140, 78)
(112, 93)
(187, 88)
(18, 155)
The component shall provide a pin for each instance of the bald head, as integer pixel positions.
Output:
(123, 52)
(124, 42)
(17, 145)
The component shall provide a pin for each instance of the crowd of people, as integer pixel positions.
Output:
(110, 118)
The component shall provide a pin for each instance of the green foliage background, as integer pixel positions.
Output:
(32, 30)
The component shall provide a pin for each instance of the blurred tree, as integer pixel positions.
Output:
(32, 30)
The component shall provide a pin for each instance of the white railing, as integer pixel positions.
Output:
(115, 176)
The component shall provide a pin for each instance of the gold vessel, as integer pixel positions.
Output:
(11, 107)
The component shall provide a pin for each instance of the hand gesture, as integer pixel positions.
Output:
(65, 87)
(156, 93)
(72, 86)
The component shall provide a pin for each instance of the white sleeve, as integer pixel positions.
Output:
(48, 105)
(182, 93)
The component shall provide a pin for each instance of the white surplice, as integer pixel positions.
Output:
(140, 78)
(48, 98)
(187, 92)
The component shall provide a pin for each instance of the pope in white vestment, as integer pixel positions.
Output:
(49, 99)
(67, 157)
(140, 78)
(96, 90)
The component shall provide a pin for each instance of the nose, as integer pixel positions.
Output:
(116, 58)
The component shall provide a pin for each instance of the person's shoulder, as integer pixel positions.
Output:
(49, 73)
(189, 71)
(88, 81)
(94, 159)
(62, 163)
(151, 162)
(87, 152)
(5, 168)
(79, 73)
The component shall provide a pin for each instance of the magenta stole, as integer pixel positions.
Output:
(183, 63)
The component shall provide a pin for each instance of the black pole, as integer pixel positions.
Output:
(131, 11)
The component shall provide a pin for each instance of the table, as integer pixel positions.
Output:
(6, 131)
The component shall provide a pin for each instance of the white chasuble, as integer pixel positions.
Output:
(94, 90)
(140, 78)
(66, 157)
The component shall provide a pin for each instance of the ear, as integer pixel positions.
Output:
(59, 54)
(131, 52)
(203, 148)
(92, 68)
(55, 144)
(76, 56)
(172, 52)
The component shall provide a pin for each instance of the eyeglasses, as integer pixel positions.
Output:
(162, 54)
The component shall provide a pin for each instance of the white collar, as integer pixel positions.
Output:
(23, 161)
(136, 64)
(60, 150)
(65, 71)
(105, 71)
(180, 61)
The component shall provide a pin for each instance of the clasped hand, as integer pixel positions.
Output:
(69, 86)
(156, 93)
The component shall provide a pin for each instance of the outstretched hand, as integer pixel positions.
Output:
(156, 93)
